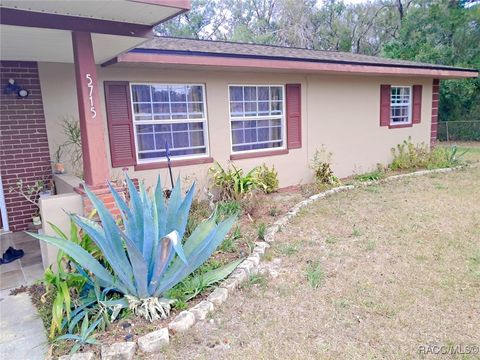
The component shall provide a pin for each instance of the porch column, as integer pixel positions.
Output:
(95, 165)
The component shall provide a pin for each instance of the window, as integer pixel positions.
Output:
(257, 117)
(169, 114)
(400, 105)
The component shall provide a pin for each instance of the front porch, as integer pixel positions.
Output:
(36, 32)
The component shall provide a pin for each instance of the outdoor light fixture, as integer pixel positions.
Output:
(11, 87)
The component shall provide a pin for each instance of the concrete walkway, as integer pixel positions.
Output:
(22, 335)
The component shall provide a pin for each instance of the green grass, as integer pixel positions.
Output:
(370, 176)
(261, 230)
(314, 274)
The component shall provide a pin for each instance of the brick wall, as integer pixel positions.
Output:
(24, 152)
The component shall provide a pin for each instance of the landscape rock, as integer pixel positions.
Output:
(154, 341)
(202, 309)
(218, 296)
(79, 356)
(119, 351)
(182, 322)
(248, 266)
(231, 284)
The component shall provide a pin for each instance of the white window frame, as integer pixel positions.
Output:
(203, 120)
(262, 117)
(409, 121)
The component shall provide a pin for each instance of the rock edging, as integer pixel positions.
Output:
(154, 341)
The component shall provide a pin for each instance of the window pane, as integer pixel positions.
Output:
(250, 109)
(178, 93)
(180, 139)
(195, 93)
(160, 93)
(161, 139)
(142, 109)
(276, 93)
(236, 108)
(237, 137)
(236, 93)
(179, 110)
(276, 107)
(250, 93)
(144, 129)
(250, 135)
(141, 93)
(196, 138)
(196, 126)
(146, 142)
(161, 108)
(195, 110)
(263, 93)
(263, 108)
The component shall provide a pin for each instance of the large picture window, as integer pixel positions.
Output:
(400, 105)
(257, 117)
(170, 115)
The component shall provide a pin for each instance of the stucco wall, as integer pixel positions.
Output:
(341, 112)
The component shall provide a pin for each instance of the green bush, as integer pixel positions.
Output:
(232, 183)
(267, 178)
(322, 169)
(408, 156)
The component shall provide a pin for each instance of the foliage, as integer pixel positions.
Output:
(145, 255)
(267, 178)
(314, 274)
(232, 183)
(227, 208)
(58, 154)
(199, 211)
(199, 281)
(73, 143)
(261, 230)
(64, 285)
(29, 192)
(321, 167)
(84, 337)
(374, 175)
(229, 244)
(408, 156)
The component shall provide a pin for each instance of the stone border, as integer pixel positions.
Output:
(156, 340)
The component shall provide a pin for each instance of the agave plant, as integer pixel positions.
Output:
(146, 254)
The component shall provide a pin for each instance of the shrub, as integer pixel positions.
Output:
(267, 178)
(322, 168)
(146, 255)
(408, 156)
(228, 208)
(232, 183)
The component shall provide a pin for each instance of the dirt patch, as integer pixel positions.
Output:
(399, 269)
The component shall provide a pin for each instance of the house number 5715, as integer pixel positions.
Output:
(90, 97)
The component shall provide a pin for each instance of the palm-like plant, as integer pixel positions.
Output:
(146, 255)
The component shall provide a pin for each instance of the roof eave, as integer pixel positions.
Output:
(296, 65)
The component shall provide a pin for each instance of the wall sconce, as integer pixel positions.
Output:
(11, 87)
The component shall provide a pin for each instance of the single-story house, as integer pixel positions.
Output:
(133, 93)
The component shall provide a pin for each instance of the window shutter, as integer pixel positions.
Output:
(294, 116)
(385, 93)
(120, 125)
(417, 104)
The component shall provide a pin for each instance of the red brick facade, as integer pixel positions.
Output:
(24, 152)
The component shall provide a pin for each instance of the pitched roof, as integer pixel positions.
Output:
(182, 46)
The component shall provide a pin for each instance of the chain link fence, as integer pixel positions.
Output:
(459, 130)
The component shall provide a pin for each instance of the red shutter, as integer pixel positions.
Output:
(417, 104)
(385, 93)
(294, 116)
(120, 125)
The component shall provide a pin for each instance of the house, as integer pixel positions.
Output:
(208, 100)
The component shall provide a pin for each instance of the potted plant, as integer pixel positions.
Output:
(31, 193)
(58, 166)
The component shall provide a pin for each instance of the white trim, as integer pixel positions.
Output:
(410, 106)
(203, 120)
(3, 208)
(282, 118)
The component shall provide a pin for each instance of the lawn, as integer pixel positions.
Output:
(372, 273)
